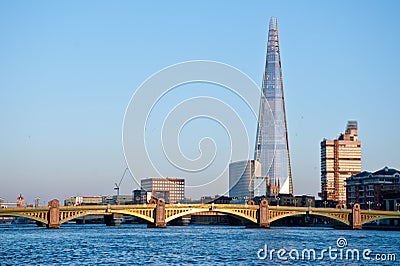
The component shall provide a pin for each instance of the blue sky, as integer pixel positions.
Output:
(69, 69)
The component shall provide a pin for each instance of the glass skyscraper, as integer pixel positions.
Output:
(272, 144)
(241, 182)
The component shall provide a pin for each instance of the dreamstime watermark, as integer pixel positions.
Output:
(340, 252)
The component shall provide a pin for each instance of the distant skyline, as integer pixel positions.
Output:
(69, 69)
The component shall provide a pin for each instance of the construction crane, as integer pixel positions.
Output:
(117, 186)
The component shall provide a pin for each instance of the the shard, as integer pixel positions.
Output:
(272, 144)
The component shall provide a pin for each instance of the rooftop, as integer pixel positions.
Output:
(386, 171)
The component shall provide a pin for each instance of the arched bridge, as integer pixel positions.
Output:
(159, 213)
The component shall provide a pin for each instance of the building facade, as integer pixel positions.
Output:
(245, 180)
(391, 197)
(118, 199)
(83, 200)
(379, 190)
(140, 196)
(340, 158)
(272, 144)
(172, 190)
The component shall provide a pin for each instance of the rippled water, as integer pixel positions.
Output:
(205, 245)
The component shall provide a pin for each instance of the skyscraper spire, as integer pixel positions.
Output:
(272, 144)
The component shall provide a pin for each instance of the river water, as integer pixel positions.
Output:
(201, 245)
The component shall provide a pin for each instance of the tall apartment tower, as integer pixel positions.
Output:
(272, 144)
(340, 158)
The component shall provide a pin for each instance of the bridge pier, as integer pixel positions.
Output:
(356, 217)
(54, 214)
(113, 219)
(159, 219)
(263, 214)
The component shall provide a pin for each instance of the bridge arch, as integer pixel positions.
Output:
(137, 215)
(41, 219)
(65, 217)
(368, 220)
(241, 215)
(236, 214)
(304, 213)
(68, 216)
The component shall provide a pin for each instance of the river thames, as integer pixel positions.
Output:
(204, 245)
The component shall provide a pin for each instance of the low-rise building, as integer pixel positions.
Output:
(172, 190)
(117, 199)
(140, 196)
(217, 199)
(369, 189)
(391, 197)
(83, 200)
(289, 200)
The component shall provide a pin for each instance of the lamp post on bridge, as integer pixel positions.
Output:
(37, 202)
(325, 203)
(369, 205)
(277, 201)
(309, 203)
(378, 206)
(398, 207)
(295, 202)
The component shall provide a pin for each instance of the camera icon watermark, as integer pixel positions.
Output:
(340, 252)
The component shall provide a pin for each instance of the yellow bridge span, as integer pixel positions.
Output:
(159, 213)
